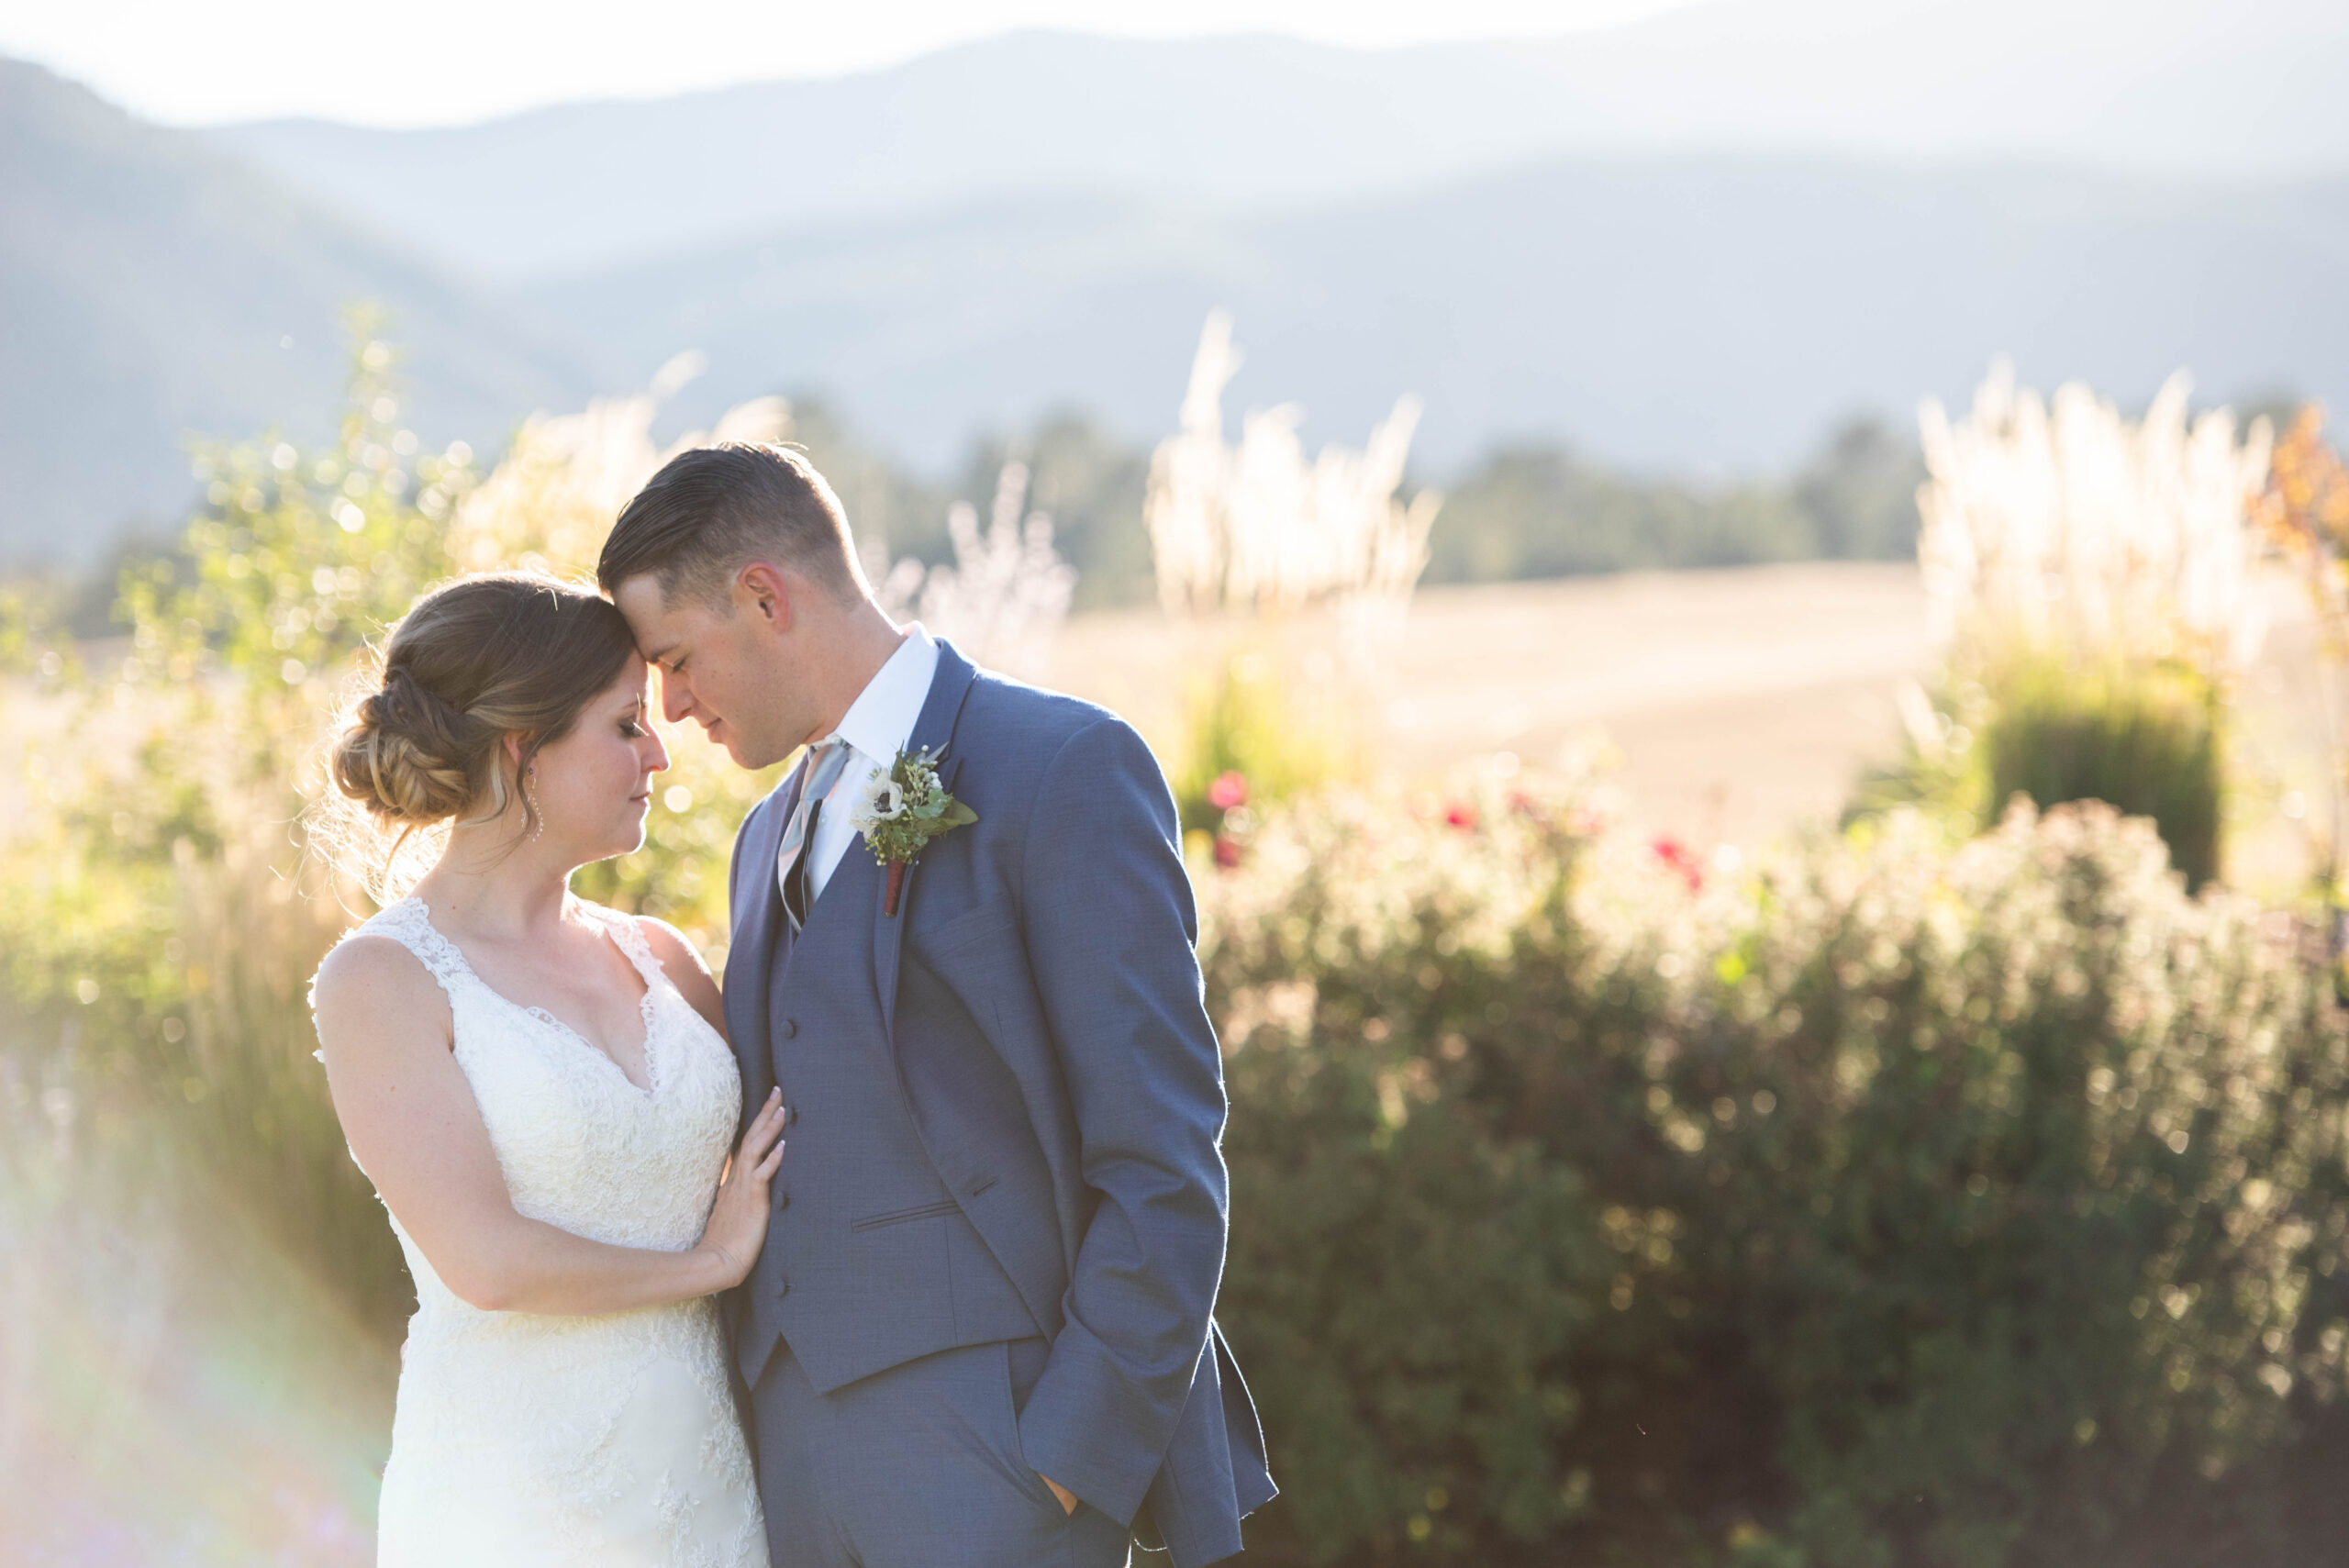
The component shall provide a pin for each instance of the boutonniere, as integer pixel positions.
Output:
(900, 809)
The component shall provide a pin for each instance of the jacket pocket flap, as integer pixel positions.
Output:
(901, 1215)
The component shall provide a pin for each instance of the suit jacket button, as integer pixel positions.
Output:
(790, 1115)
(789, 1028)
(783, 1200)
(783, 1289)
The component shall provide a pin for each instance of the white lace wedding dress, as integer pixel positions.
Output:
(522, 1440)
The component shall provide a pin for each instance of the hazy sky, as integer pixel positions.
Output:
(445, 62)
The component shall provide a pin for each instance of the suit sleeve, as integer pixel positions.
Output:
(1112, 932)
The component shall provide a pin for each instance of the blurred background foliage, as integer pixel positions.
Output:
(2094, 582)
(2147, 739)
(1901, 1199)
(1530, 512)
(2144, 742)
(168, 908)
(1252, 744)
(1523, 512)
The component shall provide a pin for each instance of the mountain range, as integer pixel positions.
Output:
(1689, 244)
(1674, 313)
(152, 288)
(2160, 87)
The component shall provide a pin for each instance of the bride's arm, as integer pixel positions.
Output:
(413, 1124)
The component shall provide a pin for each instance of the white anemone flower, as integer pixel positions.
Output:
(879, 799)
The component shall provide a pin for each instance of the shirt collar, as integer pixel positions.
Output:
(881, 720)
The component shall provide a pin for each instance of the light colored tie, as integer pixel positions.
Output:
(823, 771)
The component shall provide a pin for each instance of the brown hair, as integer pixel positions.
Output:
(712, 511)
(473, 661)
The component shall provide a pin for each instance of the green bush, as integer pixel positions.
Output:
(1249, 743)
(1902, 1203)
(2146, 741)
(1543, 511)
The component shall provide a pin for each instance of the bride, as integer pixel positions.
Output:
(541, 1091)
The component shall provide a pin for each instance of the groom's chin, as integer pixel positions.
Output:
(748, 754)
(749, 764)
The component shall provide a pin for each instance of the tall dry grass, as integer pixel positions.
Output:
(2090, 578)
(1253, 541)
(1006, 592)
(2064, 524)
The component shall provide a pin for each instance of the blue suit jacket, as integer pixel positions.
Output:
(1054, 1048)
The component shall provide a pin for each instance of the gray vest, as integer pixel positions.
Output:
(869, 1261)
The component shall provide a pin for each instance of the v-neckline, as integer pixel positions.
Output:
(532, 1010)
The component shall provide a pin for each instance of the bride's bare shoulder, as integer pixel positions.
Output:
(365, 962)
(367, 980)
(672, 948)
(684, 966)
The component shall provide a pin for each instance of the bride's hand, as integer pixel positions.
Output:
(738, 1221)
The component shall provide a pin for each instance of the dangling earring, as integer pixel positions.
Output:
(529, 777)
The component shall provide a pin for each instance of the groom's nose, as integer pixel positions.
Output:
(676, 700)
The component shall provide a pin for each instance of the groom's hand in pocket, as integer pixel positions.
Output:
(1067, 1497)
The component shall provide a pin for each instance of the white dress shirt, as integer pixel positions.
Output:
(876, 727)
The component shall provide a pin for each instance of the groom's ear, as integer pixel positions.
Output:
(768, 591)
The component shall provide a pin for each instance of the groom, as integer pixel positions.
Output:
(981, 1331)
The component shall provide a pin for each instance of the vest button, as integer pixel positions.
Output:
(783, 1200)
(789, 1028)
(783, 1289)
(790, 1115)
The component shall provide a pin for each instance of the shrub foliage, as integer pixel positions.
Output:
(1902, 1203)
(2146, 741)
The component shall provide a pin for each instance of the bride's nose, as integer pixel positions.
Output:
(657, 760)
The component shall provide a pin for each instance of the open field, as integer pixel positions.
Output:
(1735, 704)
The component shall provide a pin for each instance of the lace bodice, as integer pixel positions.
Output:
(530, 1438)
(581, 1146)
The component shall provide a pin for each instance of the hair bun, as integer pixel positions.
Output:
(408, 756)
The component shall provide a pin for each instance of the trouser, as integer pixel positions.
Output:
(915, 1467)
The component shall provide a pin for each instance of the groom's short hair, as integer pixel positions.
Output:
(712, 511)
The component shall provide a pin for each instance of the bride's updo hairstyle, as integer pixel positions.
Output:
(474, 661)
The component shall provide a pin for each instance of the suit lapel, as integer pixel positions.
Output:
(759, 927)
(934, 730)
